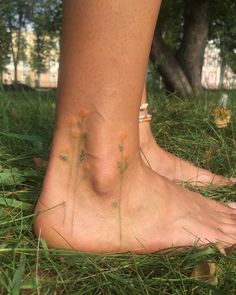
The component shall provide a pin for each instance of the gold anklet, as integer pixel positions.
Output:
(147, 117)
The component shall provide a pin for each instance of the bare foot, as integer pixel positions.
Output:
(131, 209)
(173, 167)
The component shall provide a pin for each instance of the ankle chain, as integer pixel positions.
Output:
(146, 117)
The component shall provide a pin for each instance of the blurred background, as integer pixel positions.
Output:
(194, 45)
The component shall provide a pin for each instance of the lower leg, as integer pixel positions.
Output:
(100, 88)
(98, 195)
(174, 168)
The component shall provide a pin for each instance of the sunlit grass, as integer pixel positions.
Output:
(27, 266)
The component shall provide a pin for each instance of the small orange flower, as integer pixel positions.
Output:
(83, 113)
(75, 133)
(71, 122)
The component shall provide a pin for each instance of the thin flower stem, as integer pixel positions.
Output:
(78, 174)
(74, 142)
(69, 178)
(119, 210)
(122, 166)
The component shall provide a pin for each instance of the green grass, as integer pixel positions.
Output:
(27, 266)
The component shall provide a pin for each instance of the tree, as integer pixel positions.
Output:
(39, 60)
(179, 43)
(40, 51)
(182, 33)
(16, 15)
(4, 48)
(46, 25)
(54, 20)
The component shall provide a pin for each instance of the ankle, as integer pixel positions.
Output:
(104, 177)
(99, 169)
(106, 174)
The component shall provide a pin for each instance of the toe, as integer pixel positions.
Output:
(226, 218)
(228, 208)
(232, 180)
(216, 180)
(232, 205)
(227, 237)
(229, 229)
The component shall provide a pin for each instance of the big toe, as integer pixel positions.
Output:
(232, 180)
(232, 205)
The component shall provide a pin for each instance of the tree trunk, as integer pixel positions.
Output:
(182, 70)
(15, 71)
(1, 76)
(169, 68)
(14, 56)
(16, 51)
(191, 51)
(38, 79)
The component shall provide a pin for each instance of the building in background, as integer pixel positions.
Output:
(212, 76)
(26, 75)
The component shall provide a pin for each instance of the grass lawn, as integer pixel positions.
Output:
(27, 266)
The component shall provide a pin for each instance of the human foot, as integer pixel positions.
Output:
(130, 208)
(173, 167)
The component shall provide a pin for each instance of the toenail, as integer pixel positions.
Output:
(75, 133)
(232, 205)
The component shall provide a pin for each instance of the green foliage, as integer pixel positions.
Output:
(18, 275)
(222, 26)
(15, 15)
(40, 52)
(48, 16)
(223, 30)
(45, 37)
(28, 266)
(4, 47)
(171, 21)
(54, 20)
